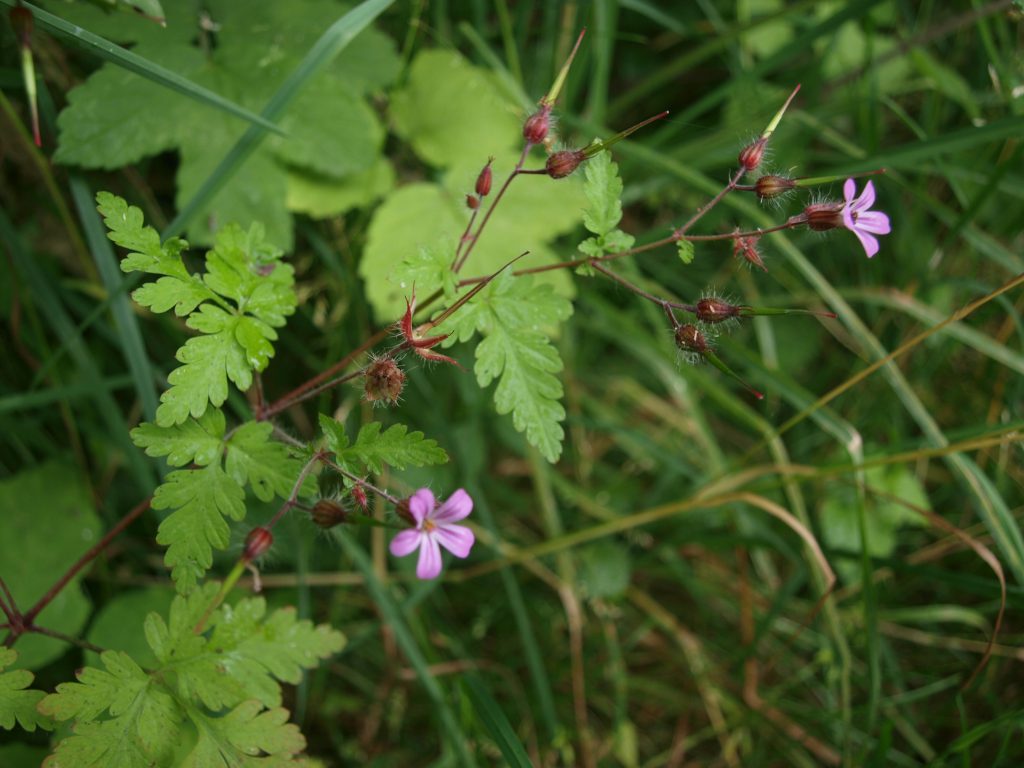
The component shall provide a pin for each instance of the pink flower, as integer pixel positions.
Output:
(859, 220)
(435, 525)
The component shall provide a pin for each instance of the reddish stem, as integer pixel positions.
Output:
(733, 181)
(85, 559)
(494, 204)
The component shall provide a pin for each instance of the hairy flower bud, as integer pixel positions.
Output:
(359, 496)
(562, 163)
(483, 181)
(535, 129)
(712, 310)
(384, 380)
(823, 216)
(328, 513)
(690, 339)
(257, 543)
(771, 186)
(472, 202)
(746, 248)
(752, 154)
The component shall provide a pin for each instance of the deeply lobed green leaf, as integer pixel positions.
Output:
(213, 700)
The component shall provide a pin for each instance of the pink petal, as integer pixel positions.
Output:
(870, 243)
(875, 222)
(405, 542)
(457, 539)
(421, 505)
(429, 565)
(849, 190)
(866, 199)
(457, 507)
(848, 221)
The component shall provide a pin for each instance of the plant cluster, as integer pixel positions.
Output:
(212, 695)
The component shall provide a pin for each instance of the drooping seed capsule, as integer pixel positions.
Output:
(257, 543)
(562, 163)
(751, 155)
(767, 187)
(483, 181)
(327, 513)
(359, 496)
(690, 339)
(535, 129)
(823, 216)
(714, 310)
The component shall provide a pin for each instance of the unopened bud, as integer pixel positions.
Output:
(535, 129)
(483, 181)
(823, 216)
(472, 202)
(690, 339)
(384, 380)
(752, 154)
(359, 496)
(257, 543)
(768, 187)
(562, 163)
(712, 310)
(328, 513)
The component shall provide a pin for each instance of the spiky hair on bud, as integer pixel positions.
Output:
(713, 309)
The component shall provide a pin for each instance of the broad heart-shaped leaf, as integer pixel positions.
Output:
(117, 118)
(48, 522)
(321, 196)
(426, 216)
(455, 117)
(200, 498)
(264, 464)
(449, 108)
(16, 703)
(208, 693)
(373, 449)
(513, 315)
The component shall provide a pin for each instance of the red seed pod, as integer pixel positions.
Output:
(823, 216)
(22, 23)
(690, 339)
(483, 181)
(359, 496)
(768, 187)
(328, 513)
(562, 163)
(752, 154)
(535, 129)
(712, 310)
(257, 543)
(472, 202)
(384, 380)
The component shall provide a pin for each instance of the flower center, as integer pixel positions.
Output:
(428, 525)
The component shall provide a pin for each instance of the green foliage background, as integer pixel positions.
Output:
(638, 603)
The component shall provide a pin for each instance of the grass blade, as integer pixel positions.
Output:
(330, 44)
(115, 54)
(126, 322)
